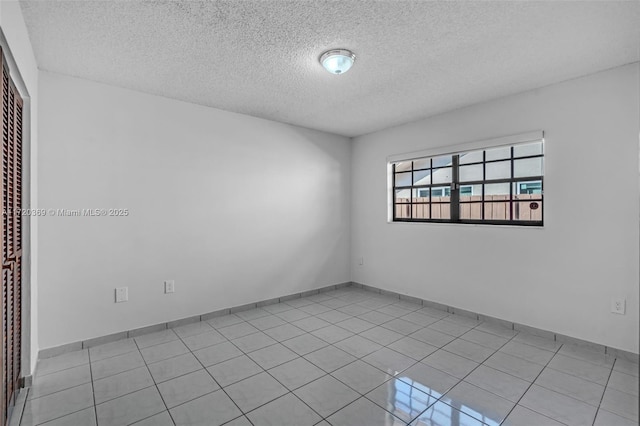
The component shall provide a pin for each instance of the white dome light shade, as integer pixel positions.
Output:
(337, 61)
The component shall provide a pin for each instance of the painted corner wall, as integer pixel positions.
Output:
(24, 71)
(560, 277)
(235, 209)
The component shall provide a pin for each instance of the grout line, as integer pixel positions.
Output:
(57, 418)
(93, 393)
(604, 391)
(154, 384)
(148, 417)
(62, 390)
(128, 393)
(24, 405)
(581, 377)
(105, 358)
(37, 376)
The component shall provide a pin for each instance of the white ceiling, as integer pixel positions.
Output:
(414, 58)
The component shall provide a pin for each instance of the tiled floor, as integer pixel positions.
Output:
(346, 357)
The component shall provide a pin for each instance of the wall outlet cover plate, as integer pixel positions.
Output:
(618, 306)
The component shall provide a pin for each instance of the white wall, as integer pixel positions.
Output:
(235, 209)
(24, 71)
(559, 278)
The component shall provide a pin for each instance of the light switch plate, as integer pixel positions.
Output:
(122, 294)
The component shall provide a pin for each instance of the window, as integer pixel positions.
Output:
(500, 185)
(530, 188)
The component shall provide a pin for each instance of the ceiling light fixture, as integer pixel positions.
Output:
(337, 61)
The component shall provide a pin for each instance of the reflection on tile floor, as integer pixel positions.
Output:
(345, 357)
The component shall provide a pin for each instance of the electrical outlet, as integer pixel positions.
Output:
(618, 305)
(361, 261)
(122, 294)
(169, 286)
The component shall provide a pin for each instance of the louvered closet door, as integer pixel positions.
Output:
(11, 241)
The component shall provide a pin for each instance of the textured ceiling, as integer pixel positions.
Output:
(415, 58)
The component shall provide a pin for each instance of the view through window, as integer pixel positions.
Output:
(499, 185)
